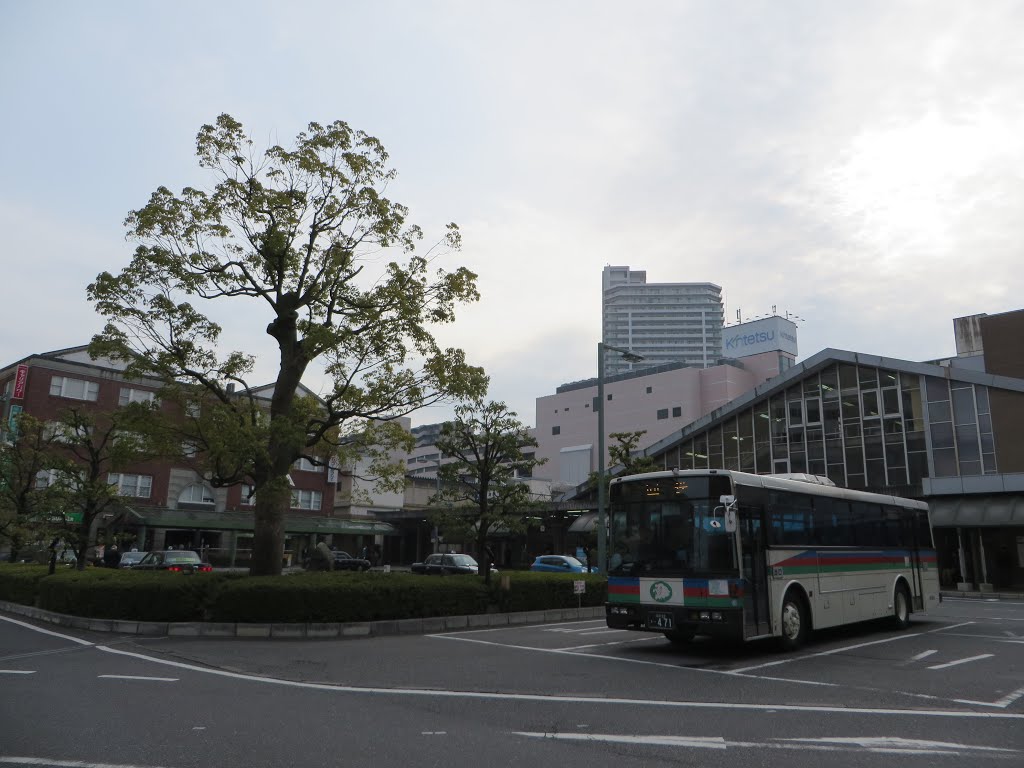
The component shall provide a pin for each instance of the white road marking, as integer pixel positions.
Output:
(922, 655)
(605, 645)
(141, 677)
(566, 699)
(704, 742)
(17, 671)
(962, 661)
(46, 631)
(846, 648)
(433, 733)
(520, 626)
(13, 760)
(1002, 703)
(883, 744)
(605, 632)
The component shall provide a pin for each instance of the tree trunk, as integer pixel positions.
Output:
(268, 543)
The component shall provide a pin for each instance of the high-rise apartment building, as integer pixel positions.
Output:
(664, 322)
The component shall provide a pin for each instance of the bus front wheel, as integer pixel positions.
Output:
(901, 607)
(794, 621)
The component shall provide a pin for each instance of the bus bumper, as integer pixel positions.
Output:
(714, 622)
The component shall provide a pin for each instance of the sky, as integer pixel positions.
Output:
(858, 165)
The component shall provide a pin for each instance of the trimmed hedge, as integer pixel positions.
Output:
(345, 597)
(530, 591)
(109, 593)
(334, 597)
(19, 583)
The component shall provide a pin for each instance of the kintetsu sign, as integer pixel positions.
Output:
(19, 381)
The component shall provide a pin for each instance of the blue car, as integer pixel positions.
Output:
(558, 564)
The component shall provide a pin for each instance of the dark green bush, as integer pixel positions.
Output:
(346, 597)
(19, 583)
(105, 593)
(108, 593)
(530, 591)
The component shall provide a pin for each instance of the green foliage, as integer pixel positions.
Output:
(110, 593)
(623, 452)
(348, 597)
(334, 597)
(542, 591)
(307, 233)
(481, 489)
(19, 582)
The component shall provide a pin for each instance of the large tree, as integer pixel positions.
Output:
(307, 233)
(24, 504)
(482, 489)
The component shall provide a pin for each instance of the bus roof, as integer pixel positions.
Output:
(779, 483)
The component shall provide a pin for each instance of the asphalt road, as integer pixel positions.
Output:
(948, 691)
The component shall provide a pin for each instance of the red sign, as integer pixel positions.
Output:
(20, 380)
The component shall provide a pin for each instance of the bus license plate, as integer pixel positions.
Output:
(660, 621)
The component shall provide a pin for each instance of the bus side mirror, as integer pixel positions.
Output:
(730, 519)
(730, 512)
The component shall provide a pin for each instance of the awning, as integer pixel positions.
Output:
(585, 523)
(976, 511)
(211, 520)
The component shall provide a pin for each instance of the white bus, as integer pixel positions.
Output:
(742, 556)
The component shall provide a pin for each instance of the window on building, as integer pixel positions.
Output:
(556, 430)
(129, 395)
(197, 493)
(307, 466)
(306, 499)
(76, 389)
(60, 432)
(649, 390)
(677, 411)
(248, 494)
(139, 486)
(662, 413)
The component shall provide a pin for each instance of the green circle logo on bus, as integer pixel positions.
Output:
(661, 592)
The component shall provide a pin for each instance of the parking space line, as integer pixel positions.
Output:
(603, 632)
(141, 677)
(962, 661)
(923, 655)
(846, 648)
(17, 671)
(1002, 703)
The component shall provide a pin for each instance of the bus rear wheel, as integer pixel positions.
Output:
(794, 621)
(680, 636)
(901, 607)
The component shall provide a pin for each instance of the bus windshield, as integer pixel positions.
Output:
(670, 526)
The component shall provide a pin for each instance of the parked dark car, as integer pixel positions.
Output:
(558, 564)
(183, 561)
(131, 559)
(343, 561)
(445, 564)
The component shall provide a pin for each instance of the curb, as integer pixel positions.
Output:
(977, 594)
(262, 630)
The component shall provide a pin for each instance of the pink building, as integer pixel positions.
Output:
(660, 400)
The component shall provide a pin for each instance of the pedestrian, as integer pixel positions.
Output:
(111, 556)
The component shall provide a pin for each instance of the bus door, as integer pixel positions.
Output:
(916, 545)
(754, 570)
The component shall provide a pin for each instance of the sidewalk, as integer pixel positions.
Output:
(978, 594)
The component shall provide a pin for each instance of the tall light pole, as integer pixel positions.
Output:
(602, 514)
(437, 486)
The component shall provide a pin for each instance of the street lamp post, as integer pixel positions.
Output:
(602, 515)
(437, 486)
